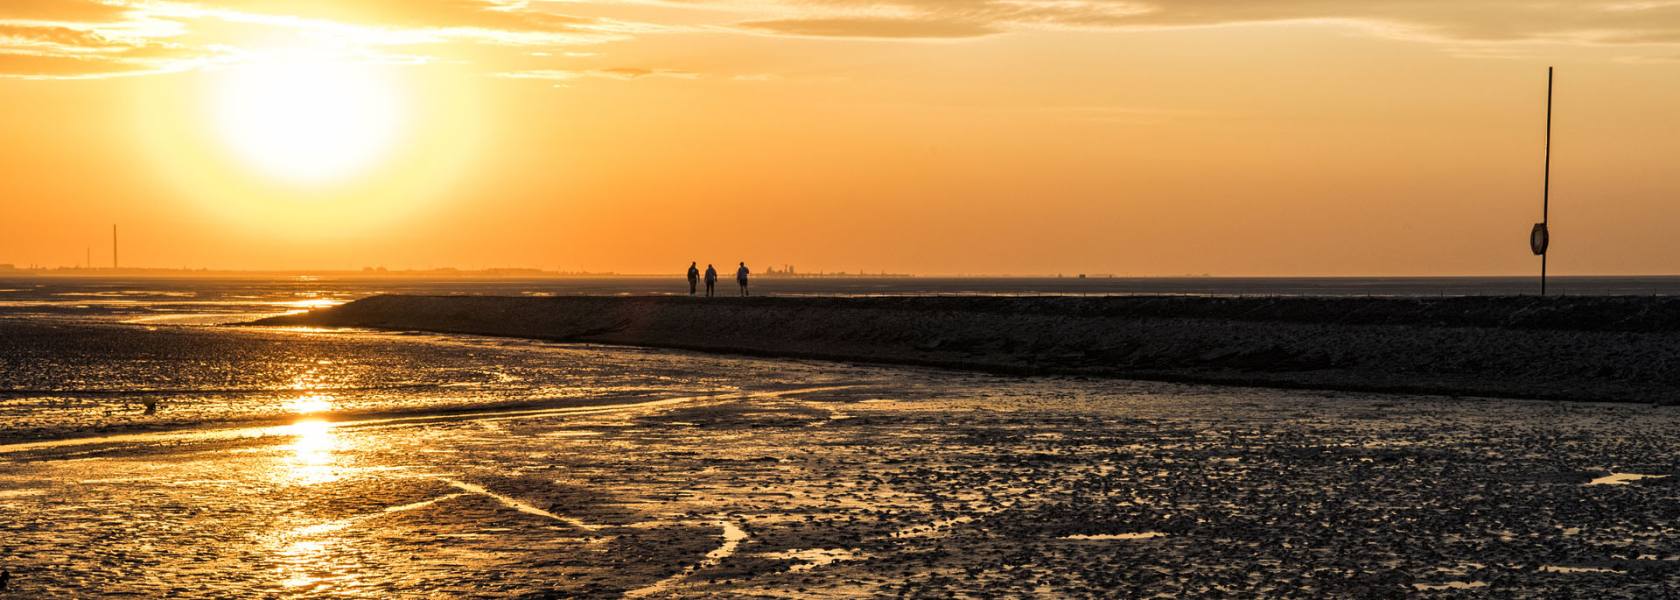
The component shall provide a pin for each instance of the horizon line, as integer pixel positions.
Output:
(536, 273)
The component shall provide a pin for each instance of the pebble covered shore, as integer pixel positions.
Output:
(1569, 348)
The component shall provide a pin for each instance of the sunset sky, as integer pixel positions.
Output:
(1159, 137)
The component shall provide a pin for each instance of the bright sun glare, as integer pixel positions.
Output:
(308, 117)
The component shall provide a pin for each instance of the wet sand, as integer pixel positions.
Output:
(1616, 348)
(872, 482)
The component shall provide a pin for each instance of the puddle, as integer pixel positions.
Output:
(812, 557)
(733, 535)
(341, 524)
(421, 504)
(1451, 585)
(1569, 569)
(517, 504)
(1622, 478)
(1144, 535)
(931, 529)
(570, 434)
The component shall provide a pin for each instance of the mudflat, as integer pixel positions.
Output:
(873, 483)
(349, 463)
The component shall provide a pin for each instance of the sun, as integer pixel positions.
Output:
(308, 117)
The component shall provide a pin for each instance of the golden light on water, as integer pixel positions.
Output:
(302, 306)
(313, 303)
(310, 404)
(301, 555)
(306, 554)
(312, 459)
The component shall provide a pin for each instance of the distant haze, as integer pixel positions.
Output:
(912, 136)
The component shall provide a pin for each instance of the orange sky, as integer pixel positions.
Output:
(925, 136)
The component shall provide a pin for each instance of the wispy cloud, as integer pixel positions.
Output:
(78, 11)
(1580, 21)
(874, 27)
(80, 39)
(93, 38)
(618, 73)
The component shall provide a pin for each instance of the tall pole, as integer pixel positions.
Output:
(1546, 186)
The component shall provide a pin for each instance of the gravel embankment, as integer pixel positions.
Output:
(1576, 348)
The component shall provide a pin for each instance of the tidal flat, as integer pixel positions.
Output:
(729, 477)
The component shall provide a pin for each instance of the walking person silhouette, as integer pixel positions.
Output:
(693, 277)
(741, 277)
(711, 279)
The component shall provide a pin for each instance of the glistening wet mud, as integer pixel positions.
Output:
(957, 485)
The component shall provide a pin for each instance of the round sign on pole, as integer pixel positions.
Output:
(1539, 239)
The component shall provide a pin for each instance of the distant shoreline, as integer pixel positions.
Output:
(515, 273)
(357, 284)
(1617, 348)
(443, 273)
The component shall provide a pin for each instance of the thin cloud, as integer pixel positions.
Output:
(50, 67)
(1584, 21)
(67, 39)
(91, 38)
(408, 14)
(616, 73)
(85, 38)
(78, 11)
(874, 27)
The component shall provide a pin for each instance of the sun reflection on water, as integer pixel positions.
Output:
(313, 403)
(312, 459)
(310, 556)
(313, 303)
(299, 555)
